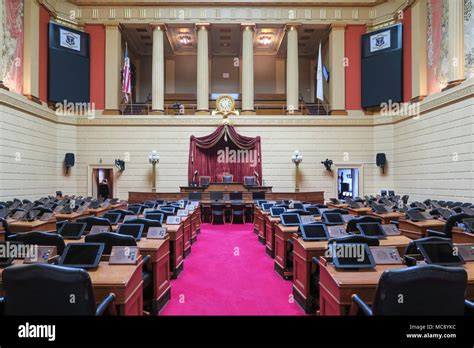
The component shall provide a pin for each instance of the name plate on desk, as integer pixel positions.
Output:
(156, 233)
(337, 231)
(391, 230)
(124, 255)
(183, 212)
(306, 219)
(173, 220)
(386, 255)
(43, 255)
(96, 229)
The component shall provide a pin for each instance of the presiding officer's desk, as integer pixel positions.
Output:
(303, 253)
(336, 286)
(159, 251)
(125, 281)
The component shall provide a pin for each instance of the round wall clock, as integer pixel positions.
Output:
(225, 104)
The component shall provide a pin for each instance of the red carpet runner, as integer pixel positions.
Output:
(229, 273)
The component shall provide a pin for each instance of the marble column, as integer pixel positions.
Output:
(1, 45)
(202, 68)
(158, 70)
(337, 87)
(247, 69)
(292, 82)
(113, 66)
(31, 51)
(456, 42)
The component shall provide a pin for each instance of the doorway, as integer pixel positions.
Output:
(102, 183)
(347, 182)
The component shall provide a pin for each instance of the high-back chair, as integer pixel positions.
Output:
(52, 286)
(426, 290)
(40, 238)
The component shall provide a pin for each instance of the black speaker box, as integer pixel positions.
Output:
(381, 159)
(69, 160)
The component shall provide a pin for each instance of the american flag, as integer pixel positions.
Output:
(126, 77)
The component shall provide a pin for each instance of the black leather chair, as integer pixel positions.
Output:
(217, 213)
(237, 211)
(426, 290)
(95, 221)
(165, 213)
(352, 224)
(150, 204)
(44, 289)
(147, 223)
(110, 239)
(412, 247)
(338, 211)
(448, 227)
(122, 213)
(405, 199)
(40, 238)
(6, 227)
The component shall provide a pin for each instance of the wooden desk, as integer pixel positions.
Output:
(303, 253)
(337, 206)
(282, 235)
(98, 211)
(226, 187)
(125, 281)
(71, 217)
(259, 224)
(359, 211)
(270, 223)
(27, 226)
(159, 251)
(195, 224)
(415, 230)
(460, 236)
(176, 235)
(387, 217)
(337, 286)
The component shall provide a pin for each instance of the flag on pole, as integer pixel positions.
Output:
(126, 76)
(319, 77)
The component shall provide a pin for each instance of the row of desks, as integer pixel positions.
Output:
(276, 238)
(167, 259)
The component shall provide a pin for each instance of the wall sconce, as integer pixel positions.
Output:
(265, 39)
(184, 39)
(120, 165)
(297, 158)
(154, 159)
(327, 164)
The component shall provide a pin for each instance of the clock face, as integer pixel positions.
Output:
(225, 103)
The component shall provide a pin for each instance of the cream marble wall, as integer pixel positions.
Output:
(421, 152)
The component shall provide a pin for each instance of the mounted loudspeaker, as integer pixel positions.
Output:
(69, 161)
(381, 160)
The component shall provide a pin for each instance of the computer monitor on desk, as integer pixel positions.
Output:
(204, 181)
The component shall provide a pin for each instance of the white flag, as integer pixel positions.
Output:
(319, 77)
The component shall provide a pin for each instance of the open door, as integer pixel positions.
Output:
(102, 183)
(347, 182)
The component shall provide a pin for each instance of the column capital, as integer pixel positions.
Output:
(292, 26)
(247, 26)
(158, 26)
(202, 26)
(338, 26)
(111, 25)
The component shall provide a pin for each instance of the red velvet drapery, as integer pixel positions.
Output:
(225, 151)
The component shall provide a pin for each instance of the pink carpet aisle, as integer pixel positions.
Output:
(216, 281)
